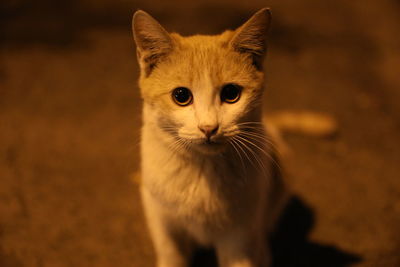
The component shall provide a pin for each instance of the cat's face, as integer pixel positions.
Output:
(201, 89)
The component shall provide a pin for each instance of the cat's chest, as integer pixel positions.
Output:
(186, 181)
(201, 189)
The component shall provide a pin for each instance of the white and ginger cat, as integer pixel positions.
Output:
(210, 175)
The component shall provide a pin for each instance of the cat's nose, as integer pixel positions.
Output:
(208, 130)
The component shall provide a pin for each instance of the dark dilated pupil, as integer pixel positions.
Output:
(230, 92)
(182, 94)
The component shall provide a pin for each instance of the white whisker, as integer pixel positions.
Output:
(263, 138)
(260, 163)
(237, 151)
(244, 151)
(262, 150)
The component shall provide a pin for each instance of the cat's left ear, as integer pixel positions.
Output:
(153, 42)
(251, 37)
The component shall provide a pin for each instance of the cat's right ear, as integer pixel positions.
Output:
(152, 41)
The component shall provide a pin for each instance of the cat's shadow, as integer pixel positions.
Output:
(290, 244)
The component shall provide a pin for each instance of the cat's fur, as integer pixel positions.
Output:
(224, 194)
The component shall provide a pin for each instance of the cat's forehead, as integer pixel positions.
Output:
(201, 50)
(197, 55)
(202, 41)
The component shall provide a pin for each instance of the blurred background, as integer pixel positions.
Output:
(70, 115)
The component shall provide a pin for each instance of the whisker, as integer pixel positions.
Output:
(244, 151)
(186, 144)
(256, 128)
(260, 163)
(250, 123)
(262, 150)
(237, 151)
(175, 145)
(264, 138)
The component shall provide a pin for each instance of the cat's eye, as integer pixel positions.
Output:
(182, 96)
(230, 93)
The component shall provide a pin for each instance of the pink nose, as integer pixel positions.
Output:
(209, 130)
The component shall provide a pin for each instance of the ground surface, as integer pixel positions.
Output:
(70, 115)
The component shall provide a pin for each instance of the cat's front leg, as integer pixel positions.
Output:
(238, 250)
(172, 247)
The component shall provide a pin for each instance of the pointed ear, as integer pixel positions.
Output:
(152, 41)
(251, 37)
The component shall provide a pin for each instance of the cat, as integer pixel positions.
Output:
(210, 172)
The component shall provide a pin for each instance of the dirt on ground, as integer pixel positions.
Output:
(70, 115)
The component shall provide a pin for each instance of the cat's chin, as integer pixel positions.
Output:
(210, 148)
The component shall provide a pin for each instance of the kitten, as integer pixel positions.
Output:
(210, 175)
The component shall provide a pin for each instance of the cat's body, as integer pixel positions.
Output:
(209, 172)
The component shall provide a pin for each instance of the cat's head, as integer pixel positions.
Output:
(202, 89)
